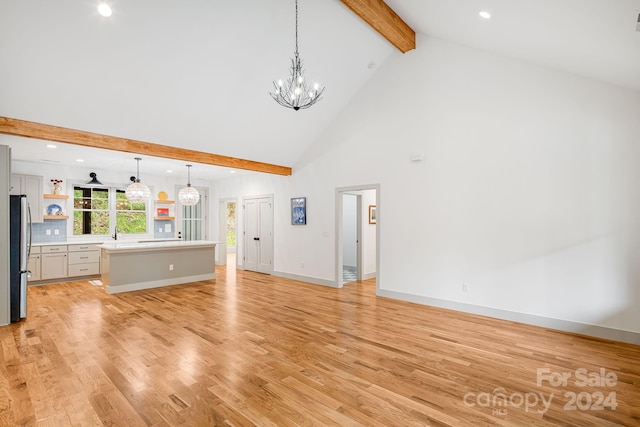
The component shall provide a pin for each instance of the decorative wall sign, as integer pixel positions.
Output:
(372, 214)
(299, 211)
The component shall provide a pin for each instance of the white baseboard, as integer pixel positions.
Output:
(530, 319)
(307, 279)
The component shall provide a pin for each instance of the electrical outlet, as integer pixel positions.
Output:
(465, 287)
(56, 232)
(170, 267)
(48, 232)
(160, 230)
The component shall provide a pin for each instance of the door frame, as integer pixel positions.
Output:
(340, 191)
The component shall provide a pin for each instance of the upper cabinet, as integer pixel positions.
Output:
(31, 186)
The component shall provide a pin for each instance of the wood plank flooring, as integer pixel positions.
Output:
(250, 349)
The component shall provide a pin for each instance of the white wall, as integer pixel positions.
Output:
(349, 230)
(368, 236)
(527, 192)
(5, 182)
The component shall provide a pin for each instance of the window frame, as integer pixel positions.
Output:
(112, 191)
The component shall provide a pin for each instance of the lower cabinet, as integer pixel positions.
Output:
(62, 261)
(53, 262)
(33, 265)
(84, 260)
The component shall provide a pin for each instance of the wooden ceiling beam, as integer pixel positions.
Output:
(385, 21)
(27, 129)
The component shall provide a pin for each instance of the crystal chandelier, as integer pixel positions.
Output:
(188, 195)
(137, 192)
(296, 93)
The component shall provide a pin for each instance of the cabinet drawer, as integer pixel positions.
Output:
(84, 257)
(84, 269)
(35, 250)
(53, 249)
(78, 248)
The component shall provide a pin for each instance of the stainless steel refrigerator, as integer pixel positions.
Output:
(19, 251)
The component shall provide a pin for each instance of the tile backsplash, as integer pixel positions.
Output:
(39, 231)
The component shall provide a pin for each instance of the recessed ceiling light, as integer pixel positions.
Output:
(169, 171)
(51, 146)
(104, 10)
(485, 14)
(79, 160)
(232, 171)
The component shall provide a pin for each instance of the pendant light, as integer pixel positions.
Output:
(188, 195)
(296, 93)
(137, 192)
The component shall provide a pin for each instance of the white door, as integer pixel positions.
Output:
(258, 237)
(193, 219)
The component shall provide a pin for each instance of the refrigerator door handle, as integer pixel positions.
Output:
(30, 231)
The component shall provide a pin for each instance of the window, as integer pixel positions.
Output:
(96, 209)
(90, 210)
(131, 218)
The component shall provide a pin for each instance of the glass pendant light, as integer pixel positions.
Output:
(188, 195)
(137, 192)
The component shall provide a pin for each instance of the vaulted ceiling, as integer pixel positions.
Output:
(197, 74)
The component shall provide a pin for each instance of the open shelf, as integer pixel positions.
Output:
(165, 202)
(56, 217)
(55, 196)
(164, 218)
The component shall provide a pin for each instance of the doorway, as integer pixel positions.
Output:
(357, 234)
(227, 250)
(351, 237)
(258, 234)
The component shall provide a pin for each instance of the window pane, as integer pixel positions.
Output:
(90, 211)
(99, 222)
(131, 222)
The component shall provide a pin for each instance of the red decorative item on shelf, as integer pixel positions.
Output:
(162, 211)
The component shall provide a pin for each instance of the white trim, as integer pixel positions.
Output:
(158, 283)
(306, 279)
(530, 319)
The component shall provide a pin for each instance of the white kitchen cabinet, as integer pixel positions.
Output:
(84, 260)
(31, 186)
(33, 265)
(53, 262)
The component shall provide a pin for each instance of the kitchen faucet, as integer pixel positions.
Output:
(115, 236)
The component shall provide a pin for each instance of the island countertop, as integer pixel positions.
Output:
(137, 246)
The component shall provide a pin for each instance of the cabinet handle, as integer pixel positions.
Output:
(84, 257)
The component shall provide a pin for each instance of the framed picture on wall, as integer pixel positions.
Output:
(372, 214)
(299, 211)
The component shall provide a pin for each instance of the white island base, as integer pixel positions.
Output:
(132, 266)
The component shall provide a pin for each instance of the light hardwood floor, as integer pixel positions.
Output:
(251, 349)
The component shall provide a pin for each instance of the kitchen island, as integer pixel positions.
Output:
(131, 266)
